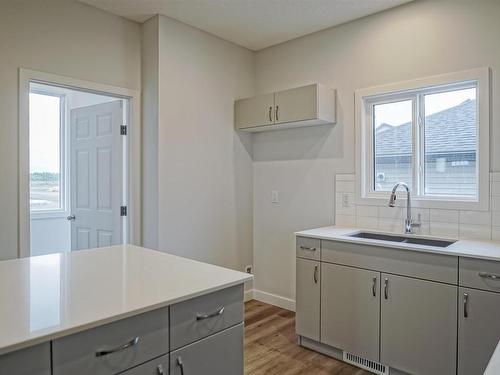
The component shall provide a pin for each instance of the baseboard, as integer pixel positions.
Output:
(248, 296)
(273, 299)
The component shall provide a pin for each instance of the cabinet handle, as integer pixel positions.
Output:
(270, 114)
(180, 364)
(466, 305)
(308, 248)
(276, 112)
(315, 275)
(374, 287)
(219, 311)
(386, 287)
(160, 370)
(119, 348)
(490, 276)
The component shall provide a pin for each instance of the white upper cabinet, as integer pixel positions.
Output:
(302, 106)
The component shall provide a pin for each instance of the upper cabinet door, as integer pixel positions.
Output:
(478, 329)
(254, 112)
(296, 104)
(418, 332)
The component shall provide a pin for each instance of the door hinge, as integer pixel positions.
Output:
(123, 129)
(123, 211)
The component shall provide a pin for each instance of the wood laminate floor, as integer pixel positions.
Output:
(271, 346)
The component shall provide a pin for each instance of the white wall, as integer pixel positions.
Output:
(62, 37)
(204, 184)
(422, 38)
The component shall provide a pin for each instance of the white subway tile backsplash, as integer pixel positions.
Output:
(424, 228)
(495, 218)
(448, 230)
(495, 188)
(443, 216)
(475, 217)
(390, 212)
(495, 233)
(495, 203)
(345, 220)
(422, 212)
(475, 232)
(367, 222)
(388, 225)
(345, 177)
(340, 208)
(494, 176)
(345, 186)
(370, 211)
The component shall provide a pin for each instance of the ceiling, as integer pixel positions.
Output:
(254, 24)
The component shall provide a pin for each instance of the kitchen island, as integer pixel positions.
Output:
(121, 309)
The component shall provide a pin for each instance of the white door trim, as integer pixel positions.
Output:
(134, 146)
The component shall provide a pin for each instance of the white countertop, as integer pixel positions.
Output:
(51, 296)
(494, 364)
(466, 248)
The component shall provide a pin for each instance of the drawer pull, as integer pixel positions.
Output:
(490, 276)
(220, 311)
(308, 248)
(119, 348)
(180, 364)
(160, 370)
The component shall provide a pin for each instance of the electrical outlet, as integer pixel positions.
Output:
(275, 196)
(345, 200)
(249, 269)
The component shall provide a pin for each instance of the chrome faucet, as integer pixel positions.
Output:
(409, 224)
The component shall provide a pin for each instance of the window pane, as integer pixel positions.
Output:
(393, 144)
(450, 143)
(45, 181)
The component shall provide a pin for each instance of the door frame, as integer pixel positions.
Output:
(133, 157)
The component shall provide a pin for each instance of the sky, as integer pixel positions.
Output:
(399, 113)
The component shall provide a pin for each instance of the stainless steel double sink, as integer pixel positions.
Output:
(402, 239)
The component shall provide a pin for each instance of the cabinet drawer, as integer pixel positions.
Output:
(435, 267)
(480, 274)
(158, 366)
(220, 354)
(30, 361)
(114, 347)
(308, 248)
(202, 316)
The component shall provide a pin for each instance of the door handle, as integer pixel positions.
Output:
(490, 276)
(315, 275)
(160, 370)
(386, 287)
(71, 217)
(219, 311)
(466, 305)
(307, 248)
(276, 112)
(180, 364)
(374, 287)
(270, 114)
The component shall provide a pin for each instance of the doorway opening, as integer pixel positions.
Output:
(77, 169)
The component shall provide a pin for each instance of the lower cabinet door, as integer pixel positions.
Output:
(418, 326)
(308, 298)
(350, 309)
(31, 361)
(158, 366)
(478, 329)
(220, 354)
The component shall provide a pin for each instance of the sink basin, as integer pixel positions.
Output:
(402, 239)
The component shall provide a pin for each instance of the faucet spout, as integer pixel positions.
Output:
(409, 224)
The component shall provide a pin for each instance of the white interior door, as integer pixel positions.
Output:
(96, 161)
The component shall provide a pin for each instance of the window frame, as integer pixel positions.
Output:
(63, 211)
(415, 90)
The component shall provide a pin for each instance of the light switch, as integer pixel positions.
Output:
(275, 196)
(345, 200)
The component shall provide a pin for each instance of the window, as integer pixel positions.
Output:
(46, 165)
(427, 134)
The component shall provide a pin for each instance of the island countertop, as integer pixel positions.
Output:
(489, 250)
(50, 296)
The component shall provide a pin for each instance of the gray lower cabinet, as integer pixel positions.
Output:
(350, 309)
(308, 298)
(30, 361)
(220, 354)
(478, 329)
(418, 326)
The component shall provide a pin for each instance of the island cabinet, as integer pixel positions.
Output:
(479, 314)
(199, 336)
(381, 308)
